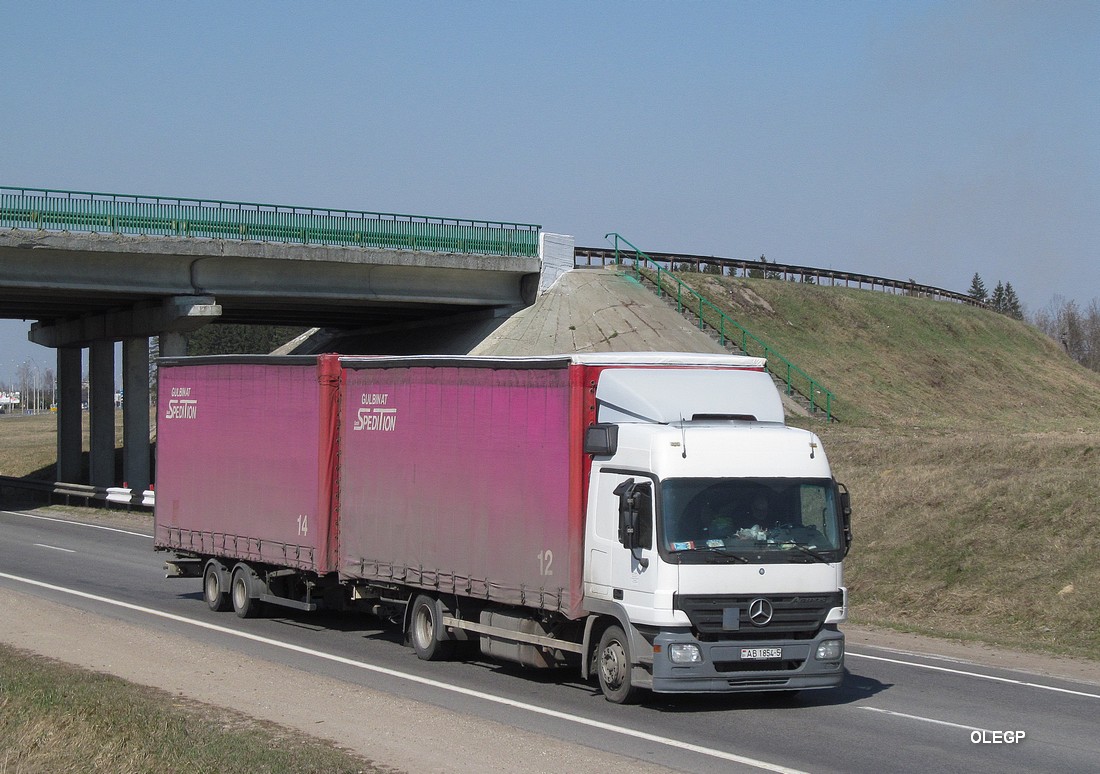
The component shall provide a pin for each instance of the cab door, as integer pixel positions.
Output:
(622, 547)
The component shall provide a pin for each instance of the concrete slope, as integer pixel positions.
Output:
(596, 310)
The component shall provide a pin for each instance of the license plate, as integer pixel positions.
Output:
(760, 654)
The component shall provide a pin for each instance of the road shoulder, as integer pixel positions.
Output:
(971, 653)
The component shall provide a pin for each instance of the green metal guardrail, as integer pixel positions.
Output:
(708, 314)
(203, 218)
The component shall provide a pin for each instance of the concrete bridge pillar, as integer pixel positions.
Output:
(69, 411)
(173, 345)
(135, 414)
(101, 400)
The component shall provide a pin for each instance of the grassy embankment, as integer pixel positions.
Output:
(970, 443)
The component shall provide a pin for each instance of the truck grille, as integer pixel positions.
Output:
(758, 666)
(795, 616)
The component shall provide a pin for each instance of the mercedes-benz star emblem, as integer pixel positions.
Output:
(760, 612)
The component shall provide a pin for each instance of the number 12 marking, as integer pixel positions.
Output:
(546, 558)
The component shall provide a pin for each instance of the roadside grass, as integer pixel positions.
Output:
(986, 536)
(28, 443)
(54, 717)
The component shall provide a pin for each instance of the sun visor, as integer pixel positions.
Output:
(670, 394)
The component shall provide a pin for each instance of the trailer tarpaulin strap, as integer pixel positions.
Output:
(330, 383)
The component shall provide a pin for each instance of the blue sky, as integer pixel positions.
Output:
(929, 140)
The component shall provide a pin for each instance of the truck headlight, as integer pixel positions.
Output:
(830, 650)
(685, 654)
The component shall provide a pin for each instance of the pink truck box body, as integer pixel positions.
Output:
(465, 480)
(244, 467)
(412, 470)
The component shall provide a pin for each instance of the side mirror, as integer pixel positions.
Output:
(628, 513)
(635, 514)
(601, 440)
(845, 514)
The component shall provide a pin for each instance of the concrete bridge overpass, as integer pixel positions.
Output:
(94, 269)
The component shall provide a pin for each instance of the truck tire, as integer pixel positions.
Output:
(613, 665)
(214, 589)
(425, 631)
(241, 592)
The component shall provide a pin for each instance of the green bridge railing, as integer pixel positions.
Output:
(687, 298)
(34, 208)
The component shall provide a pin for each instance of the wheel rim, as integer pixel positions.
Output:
(424, 629)
(213, 588)
(240, 593)
(613, 664)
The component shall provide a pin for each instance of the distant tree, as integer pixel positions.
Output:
(1005, 301)
(759, 273)
(1012, 306)
(712, 268)
(997, 300)
(37, 387)
(154, 353)
(239, 339)
(1076, 331)
(977, 289)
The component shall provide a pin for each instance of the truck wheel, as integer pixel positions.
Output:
(613, 667)
(240, 591)
(213, 591)
(425, 630)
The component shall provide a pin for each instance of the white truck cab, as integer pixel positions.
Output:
(715, 535)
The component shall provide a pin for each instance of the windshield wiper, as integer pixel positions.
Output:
(720, 551)
(805, 549)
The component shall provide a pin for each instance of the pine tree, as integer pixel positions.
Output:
(239, 339)
(997, 300)
(977, 289)
(1013, 308)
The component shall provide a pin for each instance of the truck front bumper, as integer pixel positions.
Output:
(741, 665)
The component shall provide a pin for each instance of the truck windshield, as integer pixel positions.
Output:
(785, 519)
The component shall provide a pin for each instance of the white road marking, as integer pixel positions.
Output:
(676, 743)
(79, 524)
(926, 720)
(55, 548)
(978, 675)
(918, 654)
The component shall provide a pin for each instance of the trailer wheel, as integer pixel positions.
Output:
(240, 591)
(213, 589)
(613, 666)
(425, 630)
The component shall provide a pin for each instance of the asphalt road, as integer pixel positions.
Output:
(896, 712)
